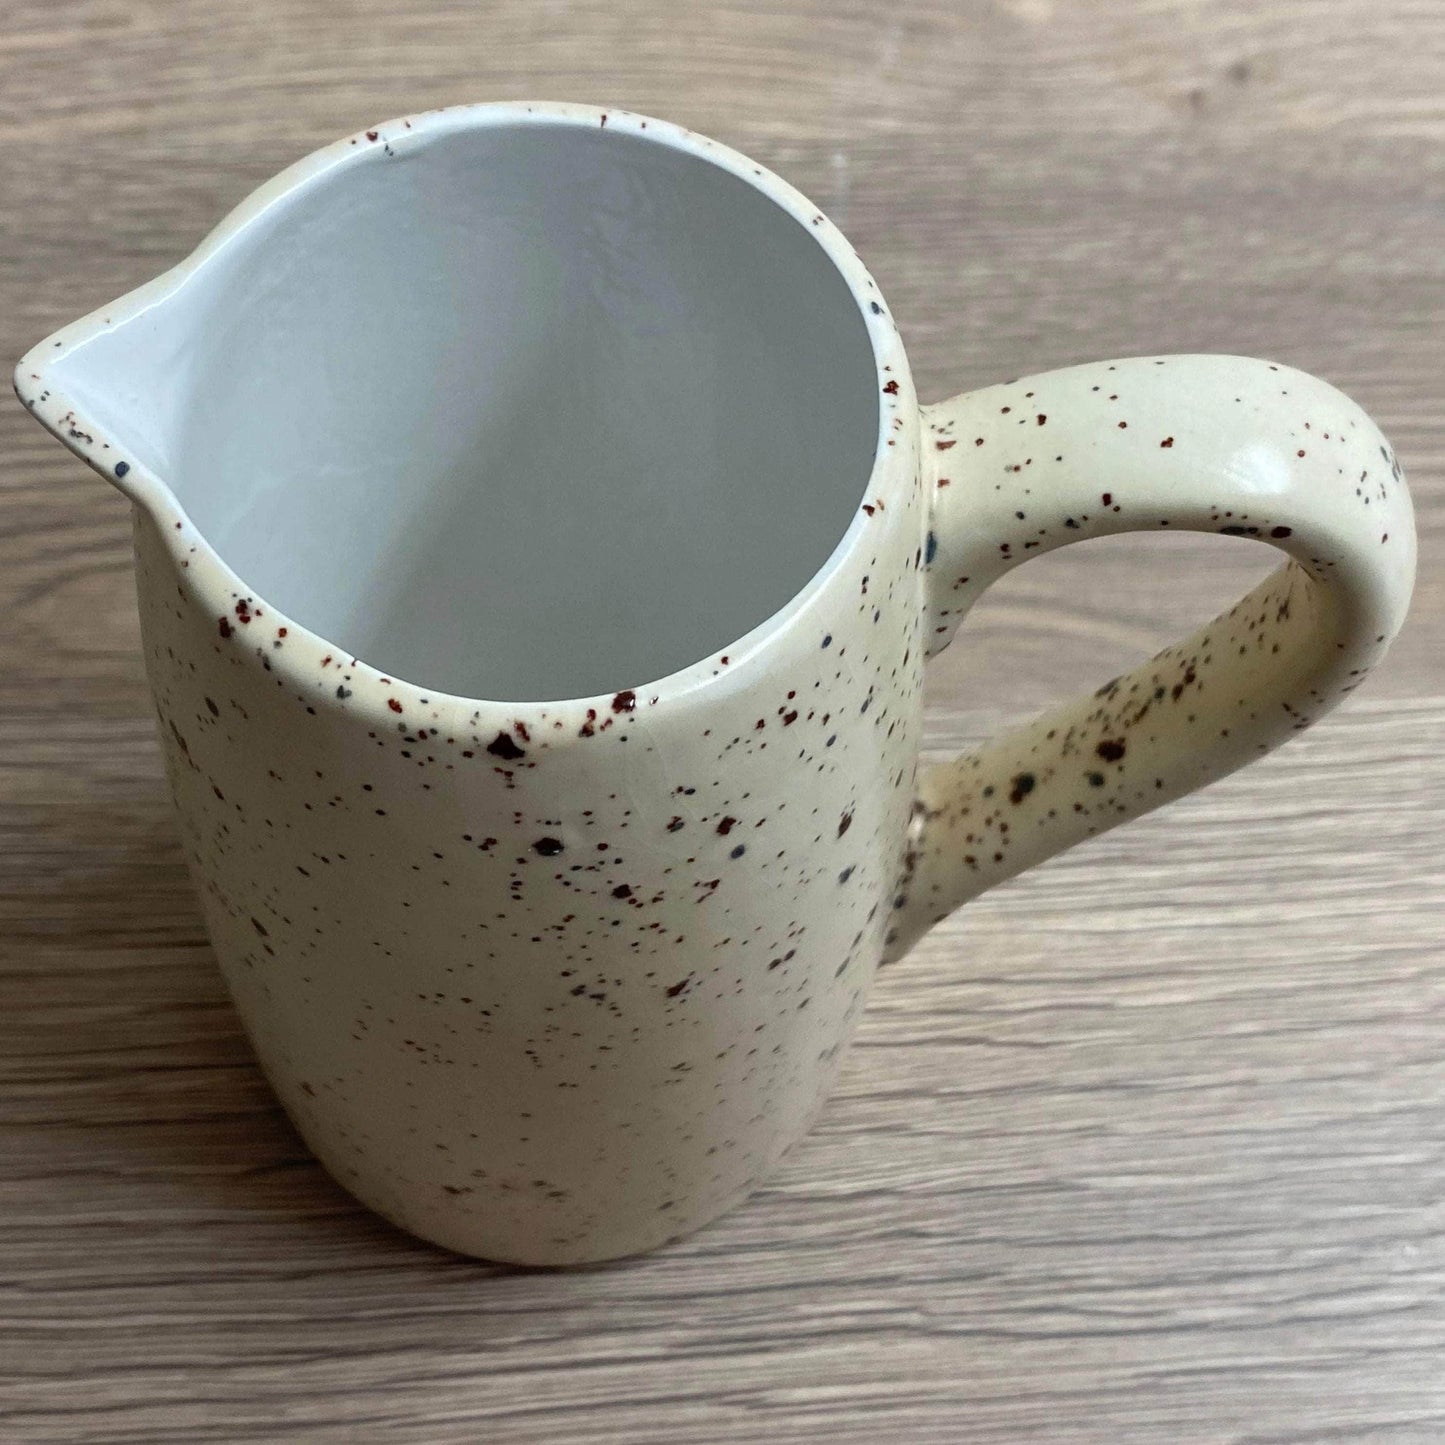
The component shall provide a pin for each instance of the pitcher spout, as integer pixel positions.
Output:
(111, 386)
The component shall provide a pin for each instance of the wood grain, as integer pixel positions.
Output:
(1148, 1146)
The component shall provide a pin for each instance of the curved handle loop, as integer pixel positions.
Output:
(1197, 443)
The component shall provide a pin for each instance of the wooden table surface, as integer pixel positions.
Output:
(1146, 1146)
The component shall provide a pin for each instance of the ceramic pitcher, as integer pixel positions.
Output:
(539, 545)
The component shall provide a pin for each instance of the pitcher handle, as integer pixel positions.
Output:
(1188, 443)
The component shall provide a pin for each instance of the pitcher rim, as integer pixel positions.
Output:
(308, 658)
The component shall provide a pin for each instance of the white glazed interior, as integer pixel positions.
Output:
(519, 411)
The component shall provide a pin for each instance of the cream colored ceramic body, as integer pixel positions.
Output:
(558, 981)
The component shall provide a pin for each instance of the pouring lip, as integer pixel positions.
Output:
(313, 662)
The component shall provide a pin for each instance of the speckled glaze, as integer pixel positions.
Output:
(557, 982)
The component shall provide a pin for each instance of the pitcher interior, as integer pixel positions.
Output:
(526, 411)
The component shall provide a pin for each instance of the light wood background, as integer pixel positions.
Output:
(1148, 1146)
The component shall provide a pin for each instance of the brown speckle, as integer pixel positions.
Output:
(503, 747)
